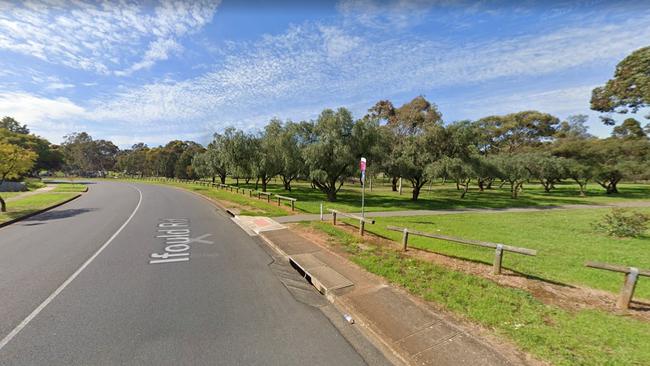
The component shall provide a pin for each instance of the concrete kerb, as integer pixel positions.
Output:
(400, 325)
(13, 221)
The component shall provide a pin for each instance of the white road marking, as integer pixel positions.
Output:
(54, 294)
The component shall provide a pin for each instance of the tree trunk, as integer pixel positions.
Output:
(465, 189)
(264, 183)
(214, 178)
(222, 177)
(457, 186)
(503, 182)
(331, 195)
(416, 192)
(513, 189)
(257, 182)
(481, 185)
(3, 205)
(287, 183)
(489, 184)
(394, 183)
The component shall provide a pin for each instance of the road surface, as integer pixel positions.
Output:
(150, 275)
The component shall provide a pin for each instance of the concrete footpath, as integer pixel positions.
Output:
(405, 329)
(406, 213)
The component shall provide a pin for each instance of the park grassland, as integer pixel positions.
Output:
(445, 196)
(585, 337)
(33, 203)
(565, 240)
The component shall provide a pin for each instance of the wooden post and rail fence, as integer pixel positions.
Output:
(292, 200)
(498, 253)
(631, 277)
(362, 220)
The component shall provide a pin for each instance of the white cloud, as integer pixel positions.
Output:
(51, 118)
(100, 37)
(59, 86)
(317, 65)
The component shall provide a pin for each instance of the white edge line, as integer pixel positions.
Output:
(54, 294)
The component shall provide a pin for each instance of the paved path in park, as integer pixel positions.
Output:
(406, 213)
(136, 274)
(31, 193)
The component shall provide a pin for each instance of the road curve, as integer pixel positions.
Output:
(177, 284)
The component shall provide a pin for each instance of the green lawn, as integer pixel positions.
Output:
(447, 197)
(564, 239)
(27, 205)
(585, 337)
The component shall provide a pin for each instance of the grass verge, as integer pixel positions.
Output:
(249, 206)
(565, 240)
(586, 337)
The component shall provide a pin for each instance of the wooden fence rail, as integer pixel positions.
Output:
(631, 276)
(292, 200)
(267, 194)
(499, 248)
(362, 220)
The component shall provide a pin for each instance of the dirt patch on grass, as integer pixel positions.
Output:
(565, 296)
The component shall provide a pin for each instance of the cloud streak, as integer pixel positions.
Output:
(99, 37)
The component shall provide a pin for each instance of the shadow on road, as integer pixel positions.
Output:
(59, 214)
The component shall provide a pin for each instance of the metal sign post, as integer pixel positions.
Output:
(362, 166)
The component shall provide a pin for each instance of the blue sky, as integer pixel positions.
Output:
(155, 71)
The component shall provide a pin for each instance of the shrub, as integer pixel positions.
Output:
(623, 223)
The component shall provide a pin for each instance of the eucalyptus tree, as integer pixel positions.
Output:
(335, 144)
(417, 139)
(629, 90)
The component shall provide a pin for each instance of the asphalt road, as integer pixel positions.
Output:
(207, 296)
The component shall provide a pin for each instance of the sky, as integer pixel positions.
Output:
(146, 71)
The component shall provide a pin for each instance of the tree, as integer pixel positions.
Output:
(630, 128)
(512, 169)
(12, 125)
(516, 131)
(629, 90)
(574, 127)
(547, 168)
(337, 142)
(580, 173)
(293, 140)
(183, 167)
(417, 139)
(49, 157)
(460, 171)
(268, 147)
(212, 162)
(14, 161)
(85, 156)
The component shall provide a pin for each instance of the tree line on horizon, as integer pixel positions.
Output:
(409, 142)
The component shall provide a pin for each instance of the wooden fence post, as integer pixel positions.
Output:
(334, 218)
(293, 205)
(278, 201)
(361, 226)
(405, 238)
(627, 292)
(498, 258)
